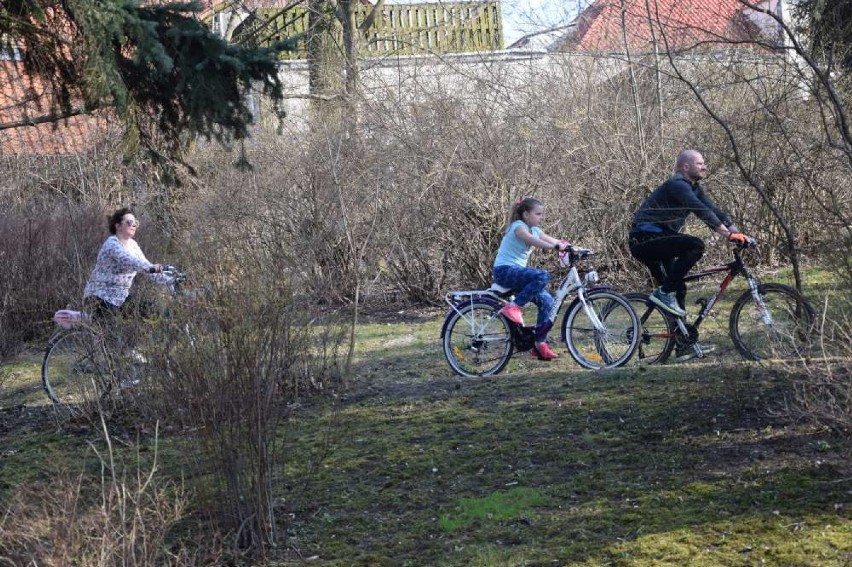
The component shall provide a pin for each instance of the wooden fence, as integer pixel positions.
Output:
(401, 29)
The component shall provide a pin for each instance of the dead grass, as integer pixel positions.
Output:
(544, 464)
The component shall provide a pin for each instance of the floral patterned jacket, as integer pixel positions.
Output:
(115, 269)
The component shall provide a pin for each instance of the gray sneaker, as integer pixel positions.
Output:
(667, 302)
(129, 383)
(687, 352)
(137, 357)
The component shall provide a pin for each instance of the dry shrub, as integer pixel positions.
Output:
(414, 201)
(823, 386)
(122, 517)
(46, 254)
(233, 355)
(824, 395)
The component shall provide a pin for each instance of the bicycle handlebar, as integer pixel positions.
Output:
(170, 271)
(751, 243)
(571, 254)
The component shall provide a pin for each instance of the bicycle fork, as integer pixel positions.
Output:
(601, 331)
(765, 315)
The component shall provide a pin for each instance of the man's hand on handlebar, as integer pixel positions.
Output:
(742, 239)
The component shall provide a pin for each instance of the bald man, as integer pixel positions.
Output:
(655, 236)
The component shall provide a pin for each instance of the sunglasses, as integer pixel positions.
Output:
(130, 222)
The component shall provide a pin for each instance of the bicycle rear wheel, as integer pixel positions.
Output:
(75, 370)
(784, 325)
(603, 333)
(656, 330)
(477, 340)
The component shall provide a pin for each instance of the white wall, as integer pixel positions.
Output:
(506, 75)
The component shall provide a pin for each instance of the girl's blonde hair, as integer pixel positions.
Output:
(523, 205)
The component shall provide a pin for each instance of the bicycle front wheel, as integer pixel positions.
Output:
(477, 340)
(75, 369)
(601, 332)
(656, 330)
(779, 323)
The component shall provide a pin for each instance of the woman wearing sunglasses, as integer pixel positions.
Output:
(119, 260)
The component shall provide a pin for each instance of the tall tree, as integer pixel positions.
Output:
(827, 24)
(334, 37)
(143, 61)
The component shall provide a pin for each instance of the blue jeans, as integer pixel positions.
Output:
(529, 285)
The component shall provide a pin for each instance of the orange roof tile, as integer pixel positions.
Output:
(677, 25)
(22, 99)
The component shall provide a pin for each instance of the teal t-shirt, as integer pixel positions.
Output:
(513, 251)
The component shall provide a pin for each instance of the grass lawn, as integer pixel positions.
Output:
(544, 464)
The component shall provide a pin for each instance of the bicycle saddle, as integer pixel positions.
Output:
(500, 290)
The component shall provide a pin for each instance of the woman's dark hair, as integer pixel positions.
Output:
(116, 217)
(522, 206)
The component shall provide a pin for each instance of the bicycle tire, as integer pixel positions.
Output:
(792, 328)
(595, 349)
(477, 340)
(656, 330)
(74, 370)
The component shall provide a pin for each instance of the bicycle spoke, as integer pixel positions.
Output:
(779, 324)
(75, 370)
(477, 341)
(601, 333)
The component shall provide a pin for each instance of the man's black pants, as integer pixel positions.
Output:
(669, 257)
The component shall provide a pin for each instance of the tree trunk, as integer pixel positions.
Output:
(325, 59)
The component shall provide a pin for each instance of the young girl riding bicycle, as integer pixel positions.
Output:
(511, 270)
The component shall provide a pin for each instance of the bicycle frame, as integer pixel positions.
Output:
(571, 283)
(732, 270)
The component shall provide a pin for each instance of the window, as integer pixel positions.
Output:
(9, 51)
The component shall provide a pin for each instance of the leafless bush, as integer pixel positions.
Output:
(459, 154)
(415, 200)
(823, 386)
(45, 254)
(235, 353)
(122, 517)
(824, 395)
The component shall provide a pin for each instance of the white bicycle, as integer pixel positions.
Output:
(600, 327)
(81, 364)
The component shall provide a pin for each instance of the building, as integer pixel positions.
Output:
(672, 26)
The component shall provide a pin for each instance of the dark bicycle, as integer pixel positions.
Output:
(767, 321)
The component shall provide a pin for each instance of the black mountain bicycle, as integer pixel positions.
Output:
(767, 321)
